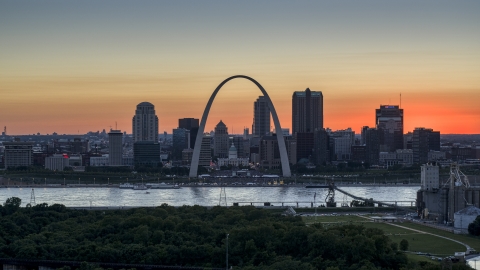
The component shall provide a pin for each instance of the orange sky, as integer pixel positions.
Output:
(82, 66)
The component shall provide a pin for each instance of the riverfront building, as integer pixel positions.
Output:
(18, 154)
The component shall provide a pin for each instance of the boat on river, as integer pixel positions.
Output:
(140, 187)
(163, 186)
(126, 186)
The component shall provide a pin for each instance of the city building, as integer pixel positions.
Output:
(261, 117)
(321, 153)
(146, 153)
(57, 162)
(145, 123)
(371, 137)
(423, 141)
(269, 154)
(18, 154)
(103, 160)
(305, 145)
(188, 123)
(205, 151)
(233, 159)
(307, 111)
(389, 120)
(220, 140)
(115, 146)
(180, 141)
(340, 144)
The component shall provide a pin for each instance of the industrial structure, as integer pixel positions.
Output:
(439, 202)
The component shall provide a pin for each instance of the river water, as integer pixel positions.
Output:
(204, 196)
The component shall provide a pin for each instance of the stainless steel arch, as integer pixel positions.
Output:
(278, 128)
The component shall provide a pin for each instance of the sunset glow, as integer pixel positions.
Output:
(74, 67)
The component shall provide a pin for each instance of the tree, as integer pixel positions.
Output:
(474, 227)
(404, 245)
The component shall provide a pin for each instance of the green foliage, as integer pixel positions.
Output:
(404, 245)
(474, 227)
(192, 236)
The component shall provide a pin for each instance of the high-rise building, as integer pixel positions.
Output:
(146, 153)
(321, 152)
(423, 141)
(371, 138)
(307, 111)
(188, 123)
(389, 119)
(205, 151)
(220, 139)
(115, 146)
(145, 123)
(180, 141)
(18, 154)
(261, 117)
(340, 144)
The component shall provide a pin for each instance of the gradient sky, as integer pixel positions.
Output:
(78, 66)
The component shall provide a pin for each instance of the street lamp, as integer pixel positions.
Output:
(227, 253)
(64, 181)
(108, 181)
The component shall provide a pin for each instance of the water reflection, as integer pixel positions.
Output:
(205, 196)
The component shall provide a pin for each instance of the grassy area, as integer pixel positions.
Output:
(418, 242)
(472, 241)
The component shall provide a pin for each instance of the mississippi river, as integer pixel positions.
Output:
(204, 196)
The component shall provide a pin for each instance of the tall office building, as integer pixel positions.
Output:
(145, 123)
(307, 111)
(115, 146)
(261, 117)
(371, 138)
(205, 151)
(389, 119)
(423, 141)
(180, 142)
(190, 124)
(220, 139)
(18, 154)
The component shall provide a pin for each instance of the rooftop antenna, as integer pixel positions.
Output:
(400, 100)
(116, 125)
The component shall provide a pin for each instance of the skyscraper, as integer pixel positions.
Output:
(423, 141)
(115, 147)
(190, 124)
(389, 120)
(261, 117)
(307, 111)
(145, 123)
(220, 140)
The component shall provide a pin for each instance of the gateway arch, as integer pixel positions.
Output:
(278, 128)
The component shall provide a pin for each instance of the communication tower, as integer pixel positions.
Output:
(223, 197)
(32, 198)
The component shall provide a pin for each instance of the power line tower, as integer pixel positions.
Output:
(32, 198)
(223, 197)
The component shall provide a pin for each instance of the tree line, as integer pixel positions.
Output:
(193, 236)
